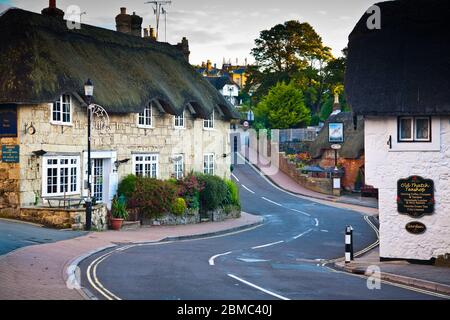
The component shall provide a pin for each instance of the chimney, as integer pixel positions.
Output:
(136, 25)
(152, 33)
(52, 10)
(208, 65)
(146, 33)
(123, 21)
(184, 47)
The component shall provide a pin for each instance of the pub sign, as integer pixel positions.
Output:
(8, 121)
(10, 154)
(415, 196)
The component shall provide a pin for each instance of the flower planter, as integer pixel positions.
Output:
(116, 224)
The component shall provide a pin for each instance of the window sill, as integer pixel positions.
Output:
(63, 124)
(179, 128)
(145, 127)
(209, 129)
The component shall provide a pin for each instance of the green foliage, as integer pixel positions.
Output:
(153, 197)
(214, 193)
(179, 207)
(189, 188)
(232, 194)
(119, 209)
(127, 186)
(283, 107)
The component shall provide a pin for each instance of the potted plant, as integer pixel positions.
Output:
(119, 214)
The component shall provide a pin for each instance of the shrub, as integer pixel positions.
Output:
(214, 193)
(127, 186)
(153, 197)
(232, 194)
(179, 207)
(119, 209)
(189, 189)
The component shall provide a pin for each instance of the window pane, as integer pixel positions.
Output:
(405, 129)
(422, 129)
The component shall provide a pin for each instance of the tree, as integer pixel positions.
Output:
(283, 107)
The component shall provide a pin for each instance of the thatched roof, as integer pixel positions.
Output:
(41, 58)
(353, 146)
(404, 67)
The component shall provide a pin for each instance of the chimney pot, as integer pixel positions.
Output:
(123, 10)
(52, 4)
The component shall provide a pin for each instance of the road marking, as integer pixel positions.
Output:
(268, 245)
(95, 282)
(275, 203)
(324, 231)
(259, 288)
(248, 189)
(304, 213)
(251, 260)
(302, 234)
(235, 177)
(317, 222)
(211, 260)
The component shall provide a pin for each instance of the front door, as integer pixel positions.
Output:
(97, 180)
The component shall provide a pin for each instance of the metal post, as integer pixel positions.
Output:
(89, 165)
(348, 244)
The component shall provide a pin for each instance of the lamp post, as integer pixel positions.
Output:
(89, 92)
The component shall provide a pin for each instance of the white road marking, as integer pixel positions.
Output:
(248, 189)
(258, 288)
(235, 177)
(302, 234)
(275, 203)
(317, 222)
(324, 230)
(304, 213)
(268, 245)
(251, 260)
(211, 260)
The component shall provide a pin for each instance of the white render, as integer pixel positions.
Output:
(385, 166)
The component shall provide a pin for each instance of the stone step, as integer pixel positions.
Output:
(131, 225)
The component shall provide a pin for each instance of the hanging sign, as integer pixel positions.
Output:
(416, 227)
(336, 132)
(415, 196)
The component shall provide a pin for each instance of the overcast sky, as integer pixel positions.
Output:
(227, 28)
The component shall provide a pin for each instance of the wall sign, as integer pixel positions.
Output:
(8, 121)
(415, 196)
(336, 132)
(416, 227)
(10, 154)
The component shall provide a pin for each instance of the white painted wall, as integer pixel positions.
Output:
(384, 167)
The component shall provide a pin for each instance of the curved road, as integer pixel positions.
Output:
(282, 259)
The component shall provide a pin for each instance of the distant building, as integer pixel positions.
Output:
(227, 88)
(397, 78)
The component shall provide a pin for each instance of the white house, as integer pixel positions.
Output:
(227, 88)
(398, 79)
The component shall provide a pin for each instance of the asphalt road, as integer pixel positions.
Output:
(282, 259)
(15, 235)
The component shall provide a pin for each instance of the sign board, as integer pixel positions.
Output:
(336, 183)
(416, 227)
(336, 147)
(8, 121)
(10, 154)
(415, 196)
(336, 132)
(246, 124)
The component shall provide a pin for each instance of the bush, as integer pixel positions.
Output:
(214, 193)
(179, 207)
(127, 186)
(232, 194)
(189, 189)
(153, 197)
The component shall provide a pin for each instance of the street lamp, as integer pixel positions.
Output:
(89, 92)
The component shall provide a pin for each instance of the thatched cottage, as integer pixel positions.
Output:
(398, 79)
(165, 119)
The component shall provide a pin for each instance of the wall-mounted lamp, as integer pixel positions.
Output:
(39, 153)
(119, 162)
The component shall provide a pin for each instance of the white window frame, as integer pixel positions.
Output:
(413, 129)
(142, 159)
(178, 119)
(208, 124)
(145, 116)
(178, 169)
(61, 103)
(58, 168)
(207, 163)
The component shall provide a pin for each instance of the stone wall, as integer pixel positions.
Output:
(351, 168)
(385, 166)
(321, 185)
(125, 138)
(60, 218)
(9, 183)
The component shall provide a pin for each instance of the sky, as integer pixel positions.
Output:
(218, 29)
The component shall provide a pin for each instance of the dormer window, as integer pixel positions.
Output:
(62, 110)
(414, 129)
(209, 123)
(179, 121)
(145, 119)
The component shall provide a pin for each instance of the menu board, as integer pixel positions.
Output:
(415, 196)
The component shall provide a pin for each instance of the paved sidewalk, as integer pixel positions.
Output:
(39, 272)
(285, 182)
(428, 277)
